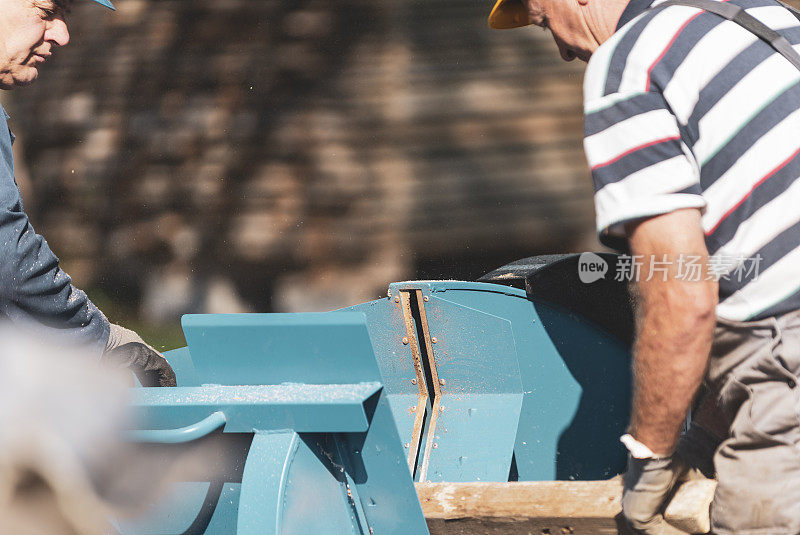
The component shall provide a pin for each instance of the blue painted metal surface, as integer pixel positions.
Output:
(173, 513)
(324, 455)
(496, 346)
(386, 328)
(298, 488)
(303, 408)
(479, 391)
(188, 433)
(270, 349)
(182, 365)
(576, 380)
(441, 381)
(402, 383)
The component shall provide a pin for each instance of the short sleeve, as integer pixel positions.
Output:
(640, 165)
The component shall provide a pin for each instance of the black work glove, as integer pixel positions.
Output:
(126, 349)
(649, 482)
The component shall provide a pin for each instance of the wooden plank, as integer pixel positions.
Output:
(688, 511)
(546, 507)
(538, 507)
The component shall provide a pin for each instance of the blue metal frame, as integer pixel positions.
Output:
(465, 382)
(574, 384)
(325, 456)
(188, 433)
(303, 408)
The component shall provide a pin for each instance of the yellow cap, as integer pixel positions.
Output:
(509, 14)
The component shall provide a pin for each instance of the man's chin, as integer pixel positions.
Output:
(21, 79)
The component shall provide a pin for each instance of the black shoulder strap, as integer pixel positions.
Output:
(738, 15)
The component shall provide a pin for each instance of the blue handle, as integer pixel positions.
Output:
(178, 436)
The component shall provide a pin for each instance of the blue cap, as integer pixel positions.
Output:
(106, 3)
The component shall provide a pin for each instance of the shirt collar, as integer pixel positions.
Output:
(633, 10)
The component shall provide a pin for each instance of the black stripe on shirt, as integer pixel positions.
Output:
(790, 303)
(663, 71)
(635, 161)
(620, 111)
(749, 133)
(732, 74)
(772, 253)
(761, 195)
(620, 55)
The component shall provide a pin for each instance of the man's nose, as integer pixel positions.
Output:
(57, 31)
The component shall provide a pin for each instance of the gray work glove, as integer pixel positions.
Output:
(649, 482)
(126, 349)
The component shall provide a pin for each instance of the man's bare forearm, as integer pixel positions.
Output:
(675, 326)
(670, 358)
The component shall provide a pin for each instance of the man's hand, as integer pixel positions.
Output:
(126, 349)
(649, 482)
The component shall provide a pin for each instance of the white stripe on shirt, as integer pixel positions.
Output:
(760, 159)
(771, 286)
(651, 43)
(693, 74)
(767, 222)
(637, 131)
(741, 103)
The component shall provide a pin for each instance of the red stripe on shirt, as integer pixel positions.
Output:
(666, 48)
(749, 193)
(634, 149)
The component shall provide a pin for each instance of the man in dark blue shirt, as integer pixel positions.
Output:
(33, 288)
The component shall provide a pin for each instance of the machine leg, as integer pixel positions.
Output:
(292, 486)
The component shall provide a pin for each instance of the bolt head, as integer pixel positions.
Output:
(396, 298)
(405, 340)
(414, 408)
(406, 445)
(434, 340)
(435, 445)
(413, 381)
(441, 382)
(426, 298)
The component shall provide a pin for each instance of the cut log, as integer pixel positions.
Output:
(545, 507)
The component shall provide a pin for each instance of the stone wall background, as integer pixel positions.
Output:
(265, 155)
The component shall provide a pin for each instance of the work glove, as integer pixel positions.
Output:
(126, 349)
(650, 481)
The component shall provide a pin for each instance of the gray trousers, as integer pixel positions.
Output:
(753, 369)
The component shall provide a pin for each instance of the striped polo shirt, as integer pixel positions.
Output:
(687, 110)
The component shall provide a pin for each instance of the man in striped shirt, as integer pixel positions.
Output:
(693, 138)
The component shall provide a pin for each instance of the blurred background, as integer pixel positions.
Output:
(272, 155)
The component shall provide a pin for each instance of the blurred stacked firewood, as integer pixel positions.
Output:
(229, 155)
